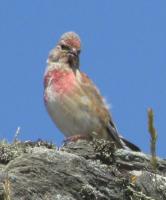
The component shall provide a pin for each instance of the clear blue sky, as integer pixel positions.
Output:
(123, 52)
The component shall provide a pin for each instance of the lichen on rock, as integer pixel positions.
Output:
(76, 171)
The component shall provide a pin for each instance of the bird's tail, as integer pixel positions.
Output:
(119, 140)
(130, 145)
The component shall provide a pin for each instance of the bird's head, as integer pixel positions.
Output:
(67, 50)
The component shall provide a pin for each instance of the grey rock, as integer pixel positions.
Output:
(81, 170)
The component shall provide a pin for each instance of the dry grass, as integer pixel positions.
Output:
(153, 135)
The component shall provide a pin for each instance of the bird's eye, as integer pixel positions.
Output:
(79, 51)
(64, 47)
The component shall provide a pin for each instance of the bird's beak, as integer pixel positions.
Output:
(73, 51)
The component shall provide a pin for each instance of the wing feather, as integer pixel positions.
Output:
(100, 109)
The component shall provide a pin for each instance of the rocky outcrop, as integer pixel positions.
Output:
(82, 170)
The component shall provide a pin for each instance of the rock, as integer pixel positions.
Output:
(77, 171)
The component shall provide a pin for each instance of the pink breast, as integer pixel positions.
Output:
(62, 81)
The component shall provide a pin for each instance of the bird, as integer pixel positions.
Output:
(73, 101)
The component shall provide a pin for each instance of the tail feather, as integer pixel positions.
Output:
(130, 145)
(119, 140)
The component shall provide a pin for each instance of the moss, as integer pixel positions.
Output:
(104, 150)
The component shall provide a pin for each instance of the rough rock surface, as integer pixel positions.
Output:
(82, 170)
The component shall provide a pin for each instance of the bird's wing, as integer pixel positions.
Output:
(100, 109)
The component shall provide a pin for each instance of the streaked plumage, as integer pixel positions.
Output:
(71, 98)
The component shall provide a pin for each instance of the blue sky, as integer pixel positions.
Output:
(123, 52)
